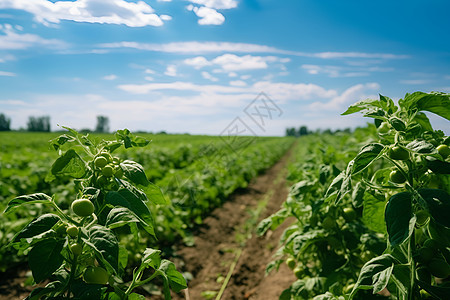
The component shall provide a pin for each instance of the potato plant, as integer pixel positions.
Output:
(77, 249)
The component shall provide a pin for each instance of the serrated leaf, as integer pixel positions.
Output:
(27, 199)
(45, 258)
(376, 272)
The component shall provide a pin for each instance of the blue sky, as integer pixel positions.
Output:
(197, 66)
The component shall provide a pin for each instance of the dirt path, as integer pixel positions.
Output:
(226, 245)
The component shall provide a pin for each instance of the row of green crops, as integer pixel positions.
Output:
(196, 173)
(371, 208)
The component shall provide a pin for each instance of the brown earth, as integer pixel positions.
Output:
(228, 235)
(225, 246)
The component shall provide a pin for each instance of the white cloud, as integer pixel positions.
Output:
(171, 70)
(245, 77)
(8, 74)
(217, 4)
(197, 62)
(149, 71)
(208, 76)
(238, 83)
(232, 74)
(348, 97)
(207, 16)
(195, 47)
(11, 40)
(231, 62)
(110, 77)
(149, 78)
(118, 12)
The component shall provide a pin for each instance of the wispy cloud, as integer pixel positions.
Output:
(110, 77)
(195, 47)
(90, 11)
(9, 74)
(208, 76)
(10, 39)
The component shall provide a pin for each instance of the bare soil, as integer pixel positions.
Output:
(217, 244)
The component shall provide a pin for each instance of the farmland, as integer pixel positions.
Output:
(366, 215)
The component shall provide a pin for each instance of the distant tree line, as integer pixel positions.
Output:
(303, 130)
(42, 124)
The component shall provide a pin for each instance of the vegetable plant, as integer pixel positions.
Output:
(75, 248)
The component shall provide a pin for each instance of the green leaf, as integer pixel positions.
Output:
(84, 291)
(124, 197)
(398, 216)
(438, 103)
(171, 277)
(105, 245)
(438, 204)
(155, 194)
(120, 216)
(361, 105)
(45, 258)
(61, 140)
(397, 124)
(366, 156)
(373, 213)
(375, 274)
(438, 166)
(135, 296)
(37, 226)
(27, 199)
(69, 164)
(151, 258)
(421, 146)
(134, 172)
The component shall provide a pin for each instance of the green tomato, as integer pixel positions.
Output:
(76, 249)
(328, 223)
(83, 207)
(398, 153)
(443, 150)
(298, 272)
(291, 263)
(100, 162)
(384, 128)
(397, 177)
(349, 214)
(439, 268)
(108, 171)
(72, 231)
(106, 155)
(118, 173)
(96, 275)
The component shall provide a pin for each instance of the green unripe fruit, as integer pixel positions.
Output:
(439, 268)
(72, 231)
(118, 173)
(108, 171)
(83, 207)
(443, 150)
(96, 275)
(397, 177)
(76, 249)
(328, 223)
(107, 156)
(100, 162)
(291, 263)
(298, 272)
(398, 153)
(384, 128)
(61, 229)
(349, 214)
